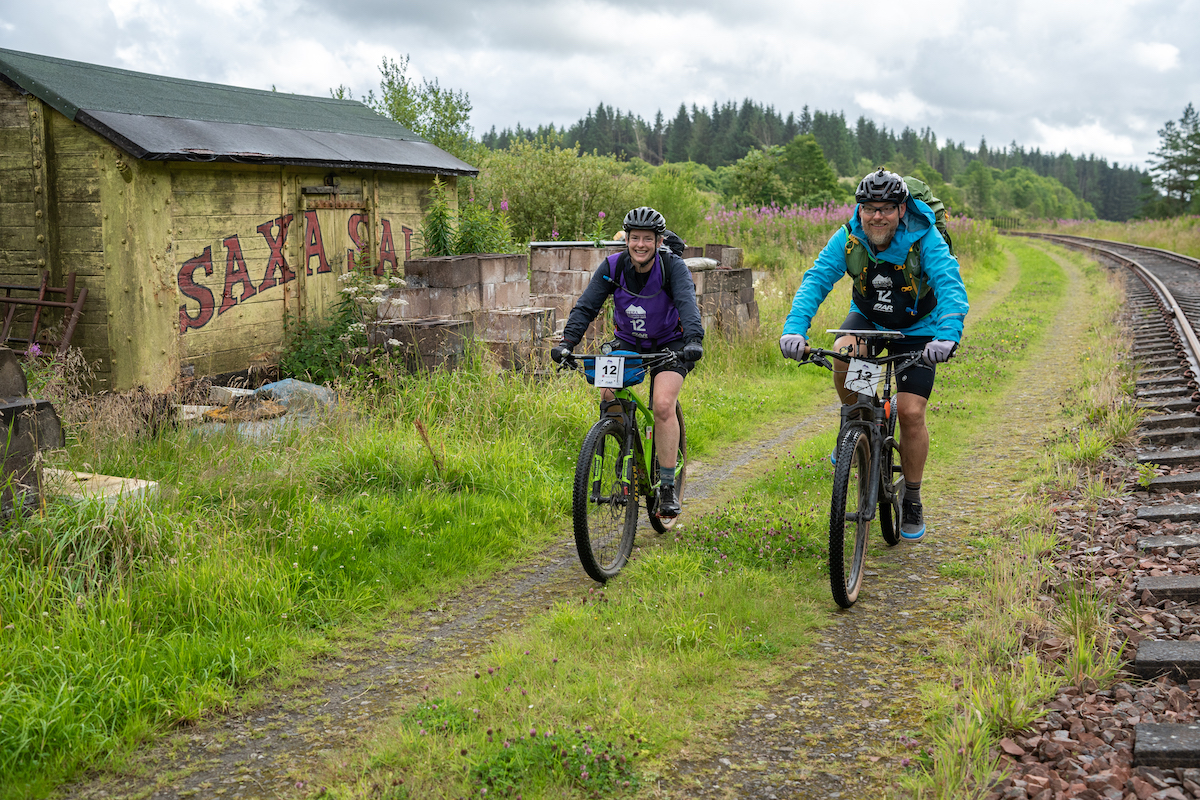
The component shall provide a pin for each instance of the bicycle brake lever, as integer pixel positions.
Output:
(819, 360)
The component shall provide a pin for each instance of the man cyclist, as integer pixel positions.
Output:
(654, 309)
(905, 279)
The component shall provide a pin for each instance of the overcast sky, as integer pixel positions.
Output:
(1100, 76)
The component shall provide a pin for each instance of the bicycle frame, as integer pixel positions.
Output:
(879, 408)
(639, 416)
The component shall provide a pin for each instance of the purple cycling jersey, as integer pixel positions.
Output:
(648, 317)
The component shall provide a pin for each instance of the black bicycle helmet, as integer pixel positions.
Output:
(882, 186)
(645, 218)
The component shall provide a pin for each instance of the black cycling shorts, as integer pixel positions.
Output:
(676, 346)
(917, 379)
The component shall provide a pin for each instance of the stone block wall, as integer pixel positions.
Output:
(518, 305)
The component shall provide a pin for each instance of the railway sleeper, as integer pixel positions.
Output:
(1166, 744)
(1169, 458)
(1166, 436)
(1170, 513)
(1184, 482)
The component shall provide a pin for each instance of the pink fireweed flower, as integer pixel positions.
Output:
(504, 205)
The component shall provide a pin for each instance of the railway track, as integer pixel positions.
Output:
(1150, 549)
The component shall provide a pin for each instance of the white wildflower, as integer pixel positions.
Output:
(380, 287)
(393, 342)
(397, 282)
(378, 299)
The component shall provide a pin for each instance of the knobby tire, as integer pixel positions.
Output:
(889, 510)
(848, 540)
(604, 510)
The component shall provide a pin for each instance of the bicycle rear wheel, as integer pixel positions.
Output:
(662, 525)
(848, 511)
(604, 507)
(889, 510)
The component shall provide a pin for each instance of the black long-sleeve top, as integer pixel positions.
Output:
(679, 286)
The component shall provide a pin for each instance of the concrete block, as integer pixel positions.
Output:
(571, 282)
(693, 252)
(442, 272)
(745, 323)
(107, 489)
(586, 259)
(716, 302)
(732, 258)
(429, 344)
(404, 304)
(515, 324)
(698, 278)
(746, 294)
(728, 280)
(752, 311)
(224, 395)
(454, 301)
(513, 294)
(516, 269)
(549, 259)
(499, 268)
(561, 303)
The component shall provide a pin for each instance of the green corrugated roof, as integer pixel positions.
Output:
(69, 86)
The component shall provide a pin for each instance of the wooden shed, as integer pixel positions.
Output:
(201, 218)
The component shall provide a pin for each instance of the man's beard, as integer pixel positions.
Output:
(880, 240)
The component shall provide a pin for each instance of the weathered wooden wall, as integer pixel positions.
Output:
(238, 231)
(50, 215)
(187, 263)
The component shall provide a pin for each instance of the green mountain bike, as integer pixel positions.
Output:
(617, 465)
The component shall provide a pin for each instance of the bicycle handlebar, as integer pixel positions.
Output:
(820, 357)
(666, 358)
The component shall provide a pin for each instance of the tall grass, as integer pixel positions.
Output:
(1178, 234)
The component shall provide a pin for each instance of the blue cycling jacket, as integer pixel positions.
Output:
(938, 267)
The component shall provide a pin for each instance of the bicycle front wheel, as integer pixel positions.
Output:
(889, 510)
(604, 501)
(848, 512)
(664, 524)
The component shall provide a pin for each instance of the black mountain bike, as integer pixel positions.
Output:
(866, 474)
(616, 464)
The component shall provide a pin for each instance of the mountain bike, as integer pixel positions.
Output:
(866, 476)
(616, 464)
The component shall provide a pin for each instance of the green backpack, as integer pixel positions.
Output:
(859, 257)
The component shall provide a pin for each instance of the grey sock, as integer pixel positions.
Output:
(666, 476)
(912, 492)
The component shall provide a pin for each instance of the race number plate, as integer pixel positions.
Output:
(610, 372)
(863, 376)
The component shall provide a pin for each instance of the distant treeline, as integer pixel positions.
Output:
(720, 135)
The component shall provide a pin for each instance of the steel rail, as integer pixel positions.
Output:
(1166, 301)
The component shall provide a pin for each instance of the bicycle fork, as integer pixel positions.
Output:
(869, 430)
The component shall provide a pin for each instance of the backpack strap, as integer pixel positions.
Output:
(662, 263)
